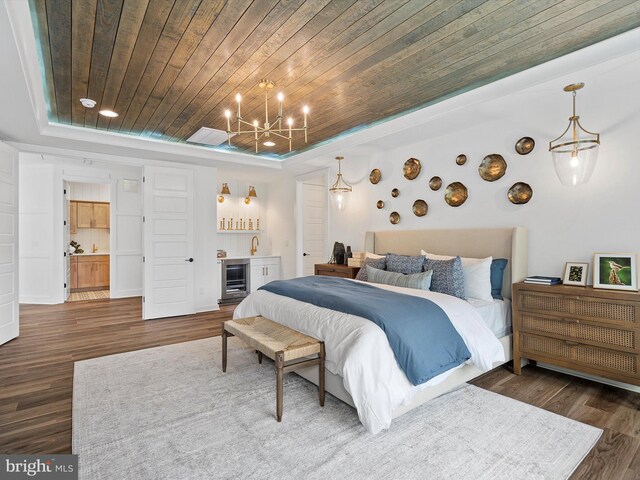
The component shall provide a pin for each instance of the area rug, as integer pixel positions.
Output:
(170, 413)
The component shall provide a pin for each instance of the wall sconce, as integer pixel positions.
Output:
(252, 193)
(225, 191)
(575, 151)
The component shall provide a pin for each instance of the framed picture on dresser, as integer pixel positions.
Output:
(615, 271)
(575, 273)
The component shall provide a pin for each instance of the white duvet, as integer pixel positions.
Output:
(358, 350)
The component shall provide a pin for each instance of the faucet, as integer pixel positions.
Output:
(95, 249)
(254, 249)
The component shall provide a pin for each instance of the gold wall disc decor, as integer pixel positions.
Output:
(456, 194)
(394, 218)
(492, 167)
(525, 145)
(461, 159)
(375, 176)
(520, 193)
(420, 208)
(380, 204)
(412, 168)
(395, 192)
(435, 183)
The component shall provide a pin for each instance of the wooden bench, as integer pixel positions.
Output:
(281, 344)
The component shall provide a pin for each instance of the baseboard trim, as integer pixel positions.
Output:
(207, 308)
(595, 378)
(126, 293)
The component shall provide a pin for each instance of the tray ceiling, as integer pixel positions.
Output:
(169, 67)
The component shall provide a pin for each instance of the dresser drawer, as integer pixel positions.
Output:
(575, 329)
(332, 272)
(595, 358)
(579, 306)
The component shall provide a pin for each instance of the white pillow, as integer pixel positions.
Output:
(476, 273)
(373, 255)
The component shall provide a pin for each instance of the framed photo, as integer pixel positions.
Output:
(575, 273)
(615, 271)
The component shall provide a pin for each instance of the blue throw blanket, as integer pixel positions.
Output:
(420, 333)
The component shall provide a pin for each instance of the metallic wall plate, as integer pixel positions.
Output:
(525, 145)
(375, 176)
(394, 218)
(461, 159)
(456, 194)
(520, 193)
(435, 183)
(420, 208)
(492, 167)
(412, 168)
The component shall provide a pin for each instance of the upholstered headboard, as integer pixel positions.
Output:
(509, 243)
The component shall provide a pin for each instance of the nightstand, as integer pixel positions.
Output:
(580, 328)
(335, 270)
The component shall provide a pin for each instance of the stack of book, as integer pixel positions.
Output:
(541, 280)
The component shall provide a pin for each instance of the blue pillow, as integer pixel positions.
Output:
(379, 263)
(447, 276)
(497, 272)
(421, 281)
(406, 264)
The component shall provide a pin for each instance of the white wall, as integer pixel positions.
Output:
(206, 276)
(564, 223)
(281, 230)
(40, 278)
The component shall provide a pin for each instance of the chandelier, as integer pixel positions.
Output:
(575, 151)
(269, 131)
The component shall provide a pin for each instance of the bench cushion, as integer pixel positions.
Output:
(270, 337)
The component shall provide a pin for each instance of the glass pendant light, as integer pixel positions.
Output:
(575, 151)
(340, 190)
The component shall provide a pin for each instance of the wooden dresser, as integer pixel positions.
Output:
(580, 328)
(335, 270)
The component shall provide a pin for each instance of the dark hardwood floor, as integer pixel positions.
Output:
(36, 376)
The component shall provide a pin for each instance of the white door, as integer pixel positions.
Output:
(9, 326)
(67, 239)
(314, 226)
(168, 242)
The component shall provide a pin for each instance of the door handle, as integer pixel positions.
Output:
(306, 254)
(189, 260)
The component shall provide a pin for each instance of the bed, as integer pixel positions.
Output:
(509, 243)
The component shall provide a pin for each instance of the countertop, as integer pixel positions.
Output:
(88, 254)
(242, 257)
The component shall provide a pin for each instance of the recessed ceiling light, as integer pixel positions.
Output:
(87, 102)
(108, 113)
(268, 143)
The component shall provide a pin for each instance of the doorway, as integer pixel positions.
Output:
(87, 233)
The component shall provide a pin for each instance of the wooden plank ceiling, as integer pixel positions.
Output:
(169, 67)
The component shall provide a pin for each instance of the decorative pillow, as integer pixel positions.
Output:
(477, 275)
(447, 277)
(497, 272)
(420, 281)
(404, 263)
(373, 255)
(378, 263)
